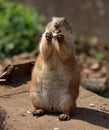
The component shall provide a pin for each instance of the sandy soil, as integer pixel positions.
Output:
(92, 111)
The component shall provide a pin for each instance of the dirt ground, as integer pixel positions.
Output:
(92, 111)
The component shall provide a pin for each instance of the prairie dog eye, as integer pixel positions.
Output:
(58, 31)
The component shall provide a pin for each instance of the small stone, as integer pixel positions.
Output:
(104, 71)
(86, 71)
(95, 66)
(28, 112)
(23, 115)
(56, 129)
(92, 105)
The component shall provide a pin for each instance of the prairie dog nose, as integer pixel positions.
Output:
(56, 25)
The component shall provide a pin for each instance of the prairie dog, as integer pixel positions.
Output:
(55, 76)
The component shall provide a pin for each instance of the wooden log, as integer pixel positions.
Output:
(17, 70)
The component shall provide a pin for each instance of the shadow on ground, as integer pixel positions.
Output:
(16, 82)
(92, 116)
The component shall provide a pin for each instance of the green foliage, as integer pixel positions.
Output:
(18, 24)
(99, 56)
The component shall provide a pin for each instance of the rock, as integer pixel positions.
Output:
(92, 105)
(104, 71)
(86, 71)
(3, 116)
(56, 129)
(95, 66)
(97, 85)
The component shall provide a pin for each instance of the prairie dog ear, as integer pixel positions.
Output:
(64, 19)
(53, 18)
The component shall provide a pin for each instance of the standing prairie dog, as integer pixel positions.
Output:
(55, 77)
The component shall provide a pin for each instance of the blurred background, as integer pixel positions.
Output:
(22, 23)
(88, 17)
(26, 18)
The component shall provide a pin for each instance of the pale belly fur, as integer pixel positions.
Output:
(52, 89)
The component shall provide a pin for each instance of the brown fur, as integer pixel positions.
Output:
(55, 77)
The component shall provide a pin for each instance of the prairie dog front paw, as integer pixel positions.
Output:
(60, 38)
(49, 36)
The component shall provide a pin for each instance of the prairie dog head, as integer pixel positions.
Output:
(59, 25)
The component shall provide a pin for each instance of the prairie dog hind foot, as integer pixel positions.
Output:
(38, 112)
(64, 117)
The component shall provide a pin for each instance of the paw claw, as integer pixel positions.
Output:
(38, 113)
(60, 38)
(64, 117)
(49, 36)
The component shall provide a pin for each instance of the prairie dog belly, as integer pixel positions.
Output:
(52, 89)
